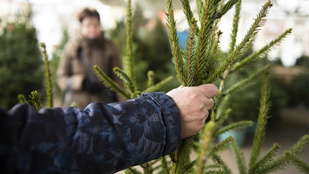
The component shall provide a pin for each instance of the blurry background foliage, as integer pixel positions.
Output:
(20, 59)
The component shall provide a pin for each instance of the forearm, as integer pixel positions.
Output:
(103, 138)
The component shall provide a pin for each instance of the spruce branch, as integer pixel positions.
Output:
(164, 165)
(48, 83)
(269, 155)
(189, 15)
(159, 85)
(183, 157)
(262, 51)
(226, 7)
(221, 146)
(262, 121)
(283, 161)
(108, 82)
(208, 131)
(217, 159)
(190, 58)
(299, 163)
(244, 44)
(35, 97)
(234, 126)
(132, 170)
(22, 99)
(240, 159)
(248, 81)
(128, 59)
(126, 79)
(150, 77)
(172, 32)
(235, 26)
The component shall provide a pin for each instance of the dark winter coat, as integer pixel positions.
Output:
(100, 139)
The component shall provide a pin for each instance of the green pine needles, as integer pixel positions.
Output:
(202, 61)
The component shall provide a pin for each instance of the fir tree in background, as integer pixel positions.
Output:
(20, 59)
(151, 49)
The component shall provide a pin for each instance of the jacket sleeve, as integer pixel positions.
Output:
(99, 139)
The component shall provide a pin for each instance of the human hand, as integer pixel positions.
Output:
(193, 104)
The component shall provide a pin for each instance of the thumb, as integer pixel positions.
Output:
(208, 90)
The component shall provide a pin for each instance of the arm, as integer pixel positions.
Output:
(100, 139)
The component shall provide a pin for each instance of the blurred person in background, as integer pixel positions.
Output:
(75, 72)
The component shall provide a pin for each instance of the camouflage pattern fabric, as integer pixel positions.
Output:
(100, 139)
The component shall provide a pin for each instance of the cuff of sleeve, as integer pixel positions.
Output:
(171, 118)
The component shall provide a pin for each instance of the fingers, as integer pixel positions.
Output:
(208, 90)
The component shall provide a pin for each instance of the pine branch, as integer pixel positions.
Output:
(199, 7)
(48, 83)
(235, 26)
(150, 77)
(240, 159)
(164, 165)
(221, 146)
(269, 155)
(226, 7)
(219, 161)
(262, 51)
(172, 32)
(208, 132)
(128, 59)
(132, 170)
(248, 81)
(35, 97)
(300, 164)
(241, 47)
(159, 85)
(108, 82)
(183, 154)
(126, 79)
(190, 57)
(234, 126)
(283, 161)
(189, 15)
(262, 121)
(22, 99)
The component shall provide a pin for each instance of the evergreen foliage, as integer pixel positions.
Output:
(202, 62)
(20, 59)
(151, 50)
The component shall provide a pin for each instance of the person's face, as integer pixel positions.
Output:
(90, 28)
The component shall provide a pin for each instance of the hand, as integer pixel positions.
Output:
(193, 104)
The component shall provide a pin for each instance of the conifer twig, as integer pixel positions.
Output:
(172, 32)
(261, 52)
(108, 82)
(208, 135)
(128, 59)
(246, 40)
(22, 99)
(262, 120)
(269, 155)
(300, 164)
(235, 26)
(248, 81)
(35, 97)
(159, 85)
(48, 83)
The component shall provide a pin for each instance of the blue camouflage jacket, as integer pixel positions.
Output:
(100, 139)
